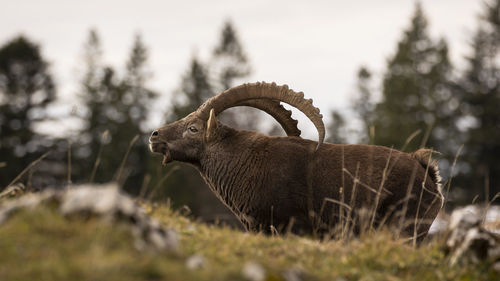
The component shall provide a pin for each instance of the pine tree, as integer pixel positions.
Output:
(229, 61)
(480, 87)
(117, 108)
(95, 134)
(92, 97)
(107, 143)
(362, 104)
(336, 128)
(136, 101)
(195, 89)
(229, 64)
(26, 89)
(416, 94)
(138, 97)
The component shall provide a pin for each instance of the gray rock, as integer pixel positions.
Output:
(294, 274)
(25, 202)
(253, 271)
(195, 262)
(489, 216)
(191, 228)
(105, 201)
(468, 242)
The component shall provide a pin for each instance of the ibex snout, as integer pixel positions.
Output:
(158, 146)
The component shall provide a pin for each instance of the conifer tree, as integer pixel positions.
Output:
(416, 94)
(138, 97)
(362, 104)
(91, 96)
(96, 83)
(229, 64)
(229, 61)
(336, 128)
(117, 108)
(26, 89)
(480, 87)
(195, 89)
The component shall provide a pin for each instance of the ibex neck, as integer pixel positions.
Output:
(229, 170)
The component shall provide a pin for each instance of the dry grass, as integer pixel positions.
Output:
(42, 245)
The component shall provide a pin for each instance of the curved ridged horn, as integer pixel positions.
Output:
(264, 90)
(277, 111)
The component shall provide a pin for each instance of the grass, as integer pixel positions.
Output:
(42, 245)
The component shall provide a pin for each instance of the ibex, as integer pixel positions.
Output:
(298, 185)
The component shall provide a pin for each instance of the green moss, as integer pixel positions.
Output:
(40, 244)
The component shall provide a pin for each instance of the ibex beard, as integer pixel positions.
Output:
(161, 148)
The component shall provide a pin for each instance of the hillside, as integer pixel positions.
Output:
(40, 244)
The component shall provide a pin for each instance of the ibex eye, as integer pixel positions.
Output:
(193, 129)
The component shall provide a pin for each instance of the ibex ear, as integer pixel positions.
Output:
(211, 126)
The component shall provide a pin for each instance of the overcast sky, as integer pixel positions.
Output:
(313, 46)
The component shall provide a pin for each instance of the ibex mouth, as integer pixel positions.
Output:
(161, 148)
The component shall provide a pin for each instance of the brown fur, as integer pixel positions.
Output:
(283, 183)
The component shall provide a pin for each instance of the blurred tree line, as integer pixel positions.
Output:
(423, 100)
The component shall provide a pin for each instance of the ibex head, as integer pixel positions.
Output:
(186, 139)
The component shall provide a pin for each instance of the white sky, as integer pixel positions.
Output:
(313, 46)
